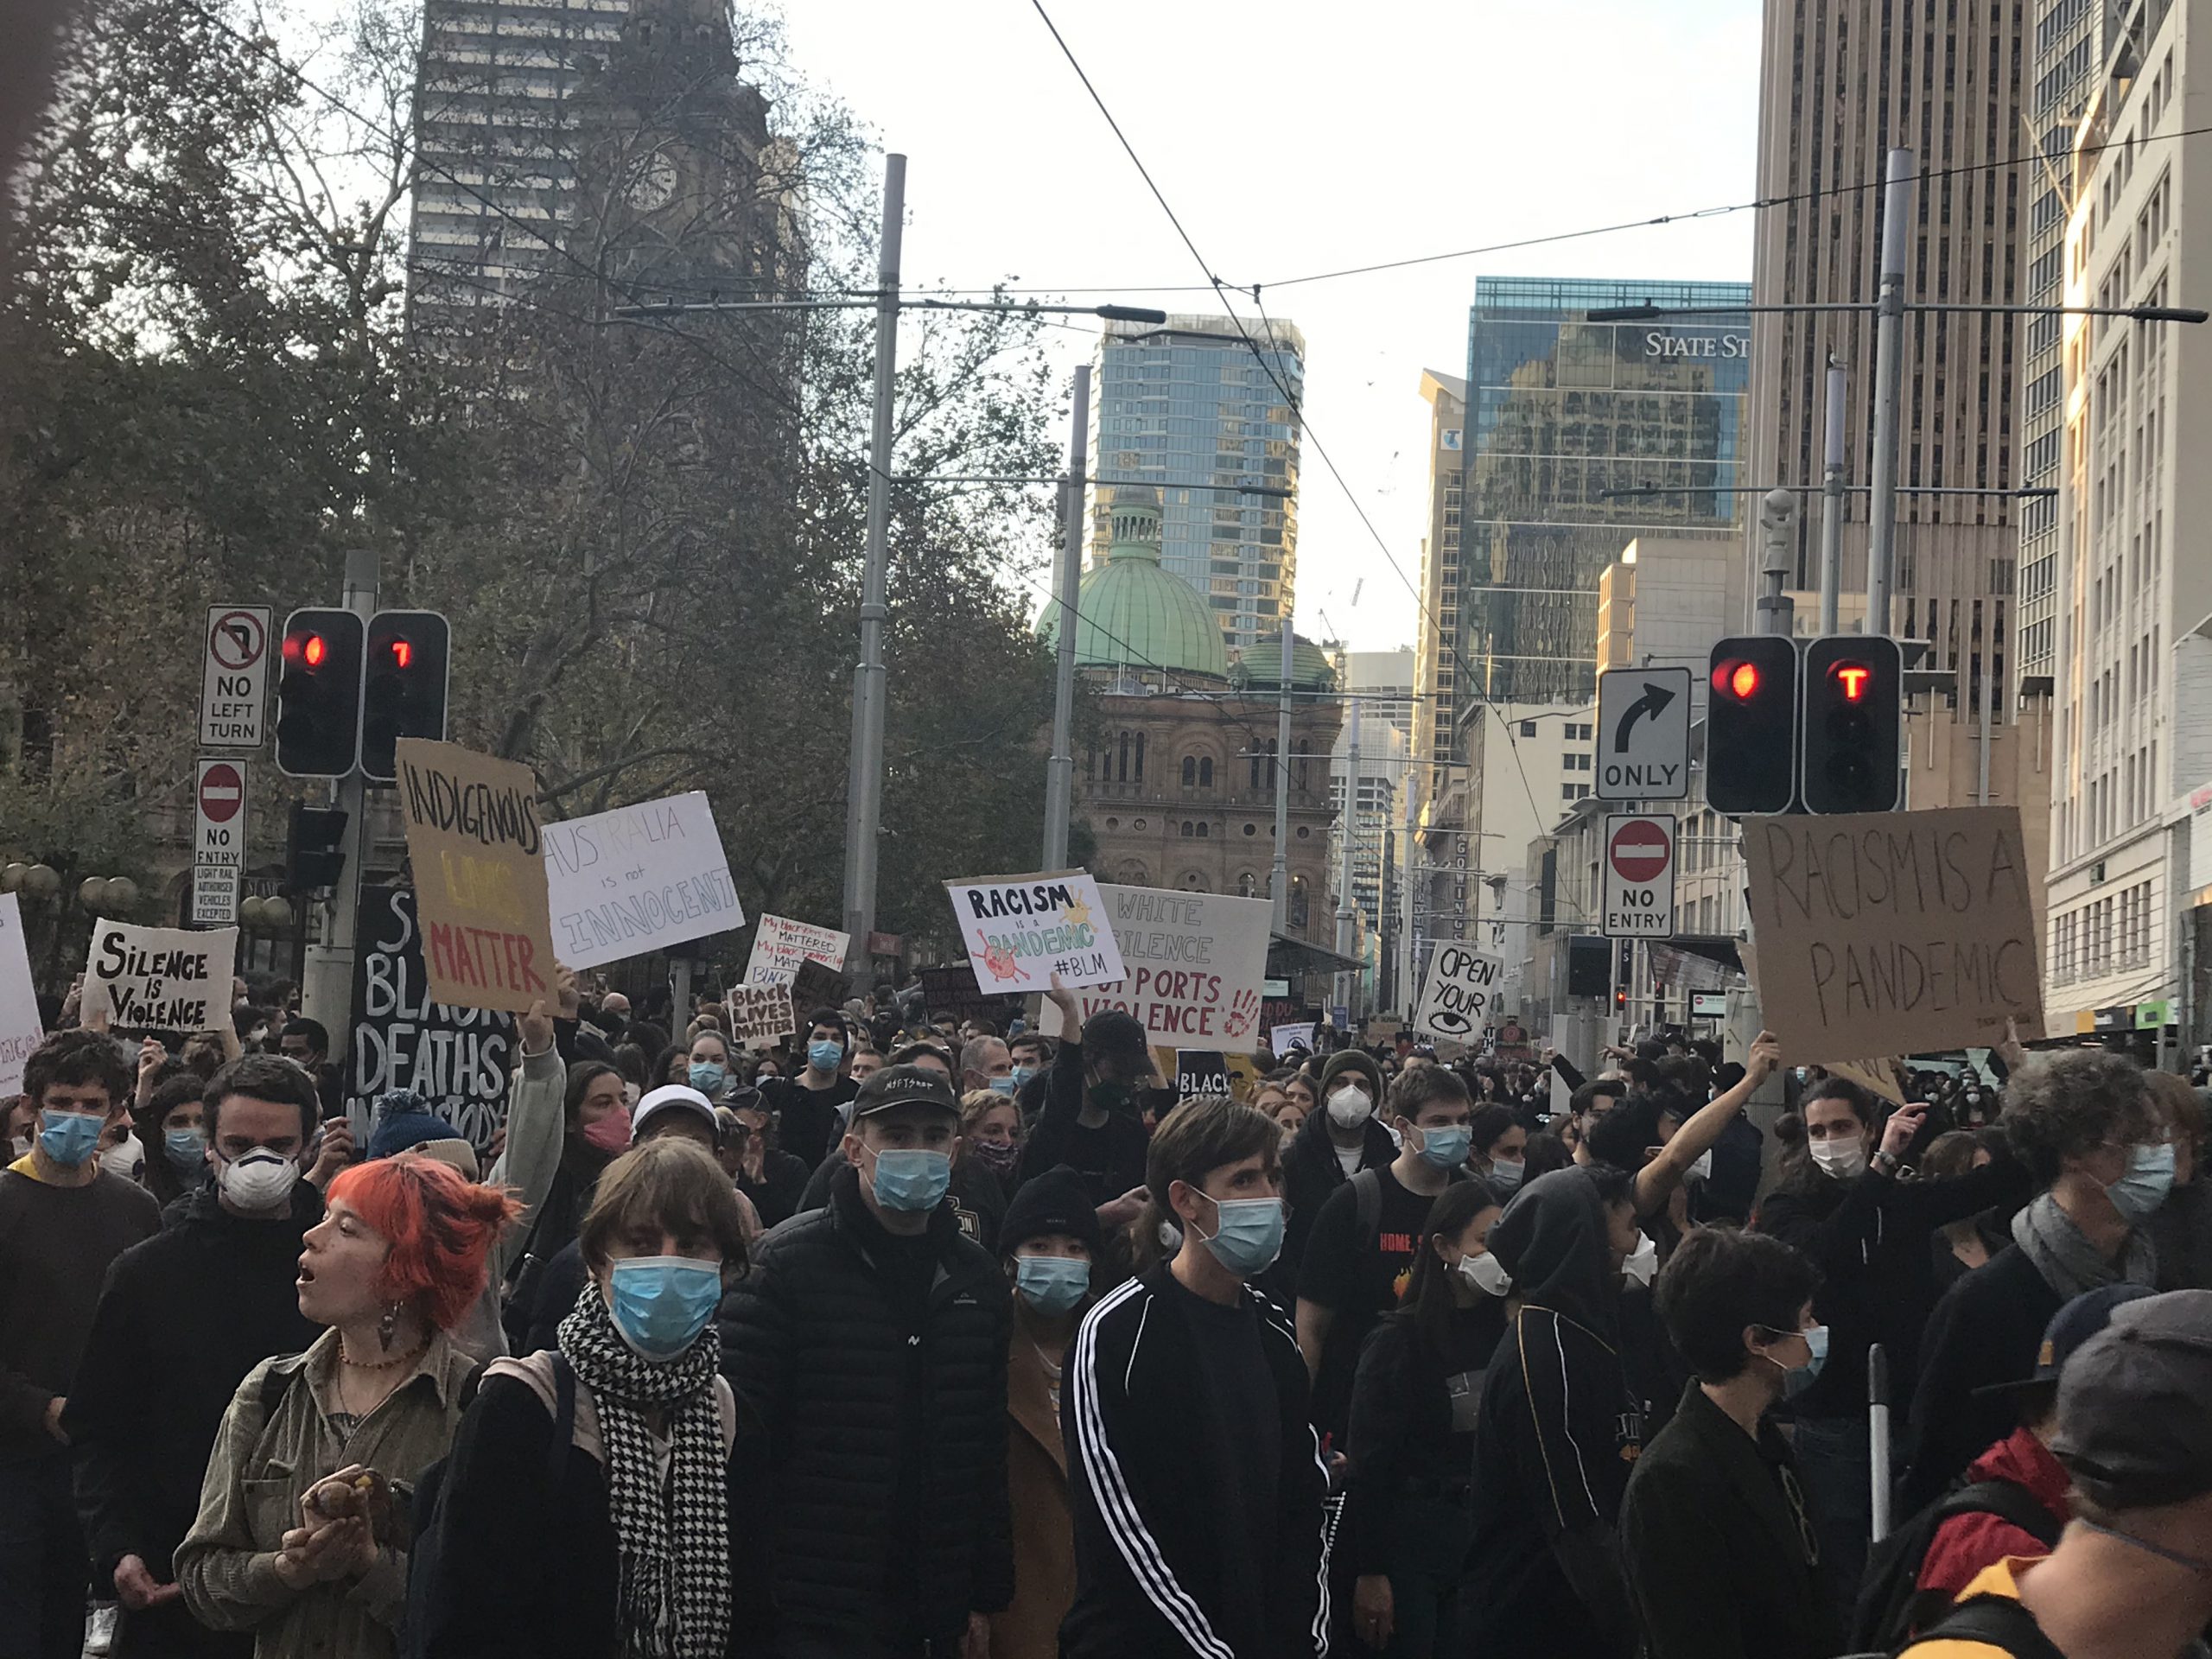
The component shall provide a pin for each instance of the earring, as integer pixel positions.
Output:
(388, 1327)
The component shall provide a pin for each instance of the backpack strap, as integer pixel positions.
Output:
(1367, 1197)
(276, 1383)
(2011, 1503)
(564, 1421)
(1999, 1621)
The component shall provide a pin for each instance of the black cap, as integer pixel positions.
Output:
(2132, 1430)
(905, 1085)
(1054, 1202)
(1112, 1031)
(2071, 1327)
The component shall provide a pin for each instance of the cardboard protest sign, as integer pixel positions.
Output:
(1243, 1075)
(1021, 929)
(1893, 932)
(952, 991)
(1461, 993)
(638, 879)
(1282, 1038)
(455, 1058)
(20, 1030)
(479, 856)
(760, 1014)
(1876, 1077)
(782, 946)
(819, 986)
(1195, 961)
(1200, 1071)
(158, 978)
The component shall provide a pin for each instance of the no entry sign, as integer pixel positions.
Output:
(1639, 898)
(218, 843)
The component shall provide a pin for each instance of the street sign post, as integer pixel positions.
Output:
(1639, 897)
(233, 686)
(218, 843)
(1643, 735)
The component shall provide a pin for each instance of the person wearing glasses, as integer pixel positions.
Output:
(1719, 1550)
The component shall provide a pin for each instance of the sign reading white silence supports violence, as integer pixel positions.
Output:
(1195, 962)
(638, 879)
(20, 1030)
(781, 946)
(455, 1058)
(1021, 929)
(158, 978)
(1893, 932)
(1461, 993)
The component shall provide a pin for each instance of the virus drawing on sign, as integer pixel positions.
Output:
(1075, 911)
(1000, 962)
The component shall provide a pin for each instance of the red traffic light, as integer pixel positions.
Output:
(1740, 679)
(313, 651)
(401, 653)
(1853, 677)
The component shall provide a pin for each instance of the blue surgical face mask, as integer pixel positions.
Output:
(1505, 1173)
(186, 1149)
(825, 1056)
(1795, 1379)
(1050, 1284)
(2150, 1176)
(1250, 1235)
(661, 1303)
(69, 1138)
(1445, 1144)
(911, 1177)
(707, 1077)
(1004, 1085)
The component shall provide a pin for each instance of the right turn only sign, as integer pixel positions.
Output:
(1639, 875)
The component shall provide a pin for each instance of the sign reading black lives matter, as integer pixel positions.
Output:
(455, 1058)
(1461, 994)
(1884, 933)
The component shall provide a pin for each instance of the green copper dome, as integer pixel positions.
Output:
(1133, 614)
(1259, 665)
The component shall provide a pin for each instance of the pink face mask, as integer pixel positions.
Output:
(610, 1133)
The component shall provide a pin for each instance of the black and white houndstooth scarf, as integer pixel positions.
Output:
(674, 1542)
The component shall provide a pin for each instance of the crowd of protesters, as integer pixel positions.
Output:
(922, 1336)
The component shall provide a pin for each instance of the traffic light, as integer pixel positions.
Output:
(1750, 725)
(404, 687)
(314, 852)
(1853, 689)
(319, 695)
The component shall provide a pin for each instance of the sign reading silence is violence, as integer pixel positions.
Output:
(478, 857)
(1893, 932)
(146, 979)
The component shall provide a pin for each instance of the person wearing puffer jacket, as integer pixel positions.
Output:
(1333, 1145)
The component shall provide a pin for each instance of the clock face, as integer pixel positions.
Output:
(654, 185)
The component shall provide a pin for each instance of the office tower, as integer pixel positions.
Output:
(2128, 917)
(1436, 670)
(1191, 408)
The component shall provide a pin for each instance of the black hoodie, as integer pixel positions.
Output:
(1558, 1430)
(1311, 1171)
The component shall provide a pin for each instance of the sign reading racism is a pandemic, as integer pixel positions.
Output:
(1021, 929)
(1893, 932)
(1196, 962)
(478, 857)
(158, 978)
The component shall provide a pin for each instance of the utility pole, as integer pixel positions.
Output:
(1778, 522)
(864, 792)
(1831, 504)
(1346, 912)
(1059, 771)
(1279, 873)
(1889, 348)
(327, 982)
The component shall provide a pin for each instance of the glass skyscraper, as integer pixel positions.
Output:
(1580, 438)
(1191, 407)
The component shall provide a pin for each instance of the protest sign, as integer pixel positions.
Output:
(1243, 1075)
(781, 946)
(638, 879)
(455, 1058)
(760, 1014)
(478, 856)
(158, 978)
(1461, 993)
(1282, 1038)
(819, 986)
(20, 1030)
(1021, 929)
(1876, 1077)
(953, 991)
(1195, 960)
(1893, 932)
(1200, 1071)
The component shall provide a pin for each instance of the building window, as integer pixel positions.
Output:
(1203, 830)
(1205, 771)
(1187, 830)
(1140, 757)
(1124, 777)
(1528, 728)
(1189, 771)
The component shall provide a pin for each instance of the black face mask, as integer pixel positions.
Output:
(1114, 1098)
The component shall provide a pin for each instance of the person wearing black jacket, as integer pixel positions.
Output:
(182, 1317)
(772, 1178)
(1340, 1137)
(1195, 1479)
(1718, 1545)
(1558, 1430)
(1090, 1120)
(1867, 1233)
(870, 1338)
(807, 1106)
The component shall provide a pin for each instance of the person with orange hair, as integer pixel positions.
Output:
(302, 1531)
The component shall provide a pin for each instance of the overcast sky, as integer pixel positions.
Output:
(1301, 137)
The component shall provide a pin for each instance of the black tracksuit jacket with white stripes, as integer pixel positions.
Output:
(1142, 1472)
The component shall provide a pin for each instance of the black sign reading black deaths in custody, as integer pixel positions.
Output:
(456, 1059)
(953, 991)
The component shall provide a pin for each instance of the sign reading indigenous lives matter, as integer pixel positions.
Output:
(638, 879)
(478, 856)
(1021, 929)
(1893, 932)
(455, 1058)
(1196, 964)
(159, 978)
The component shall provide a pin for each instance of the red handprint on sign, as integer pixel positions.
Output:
(1243, 1009)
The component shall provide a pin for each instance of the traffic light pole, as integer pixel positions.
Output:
(1279, 872)
(1059, 770)
(327, 982)
(1888, 350)
(1831, 506)
(1778, 522)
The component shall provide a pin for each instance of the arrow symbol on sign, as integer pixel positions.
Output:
(1652, 702)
